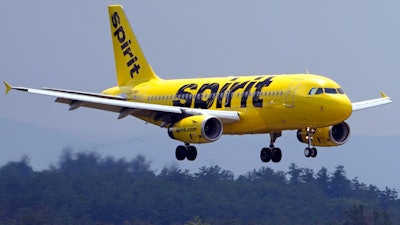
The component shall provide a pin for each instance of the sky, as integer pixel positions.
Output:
(67, 44)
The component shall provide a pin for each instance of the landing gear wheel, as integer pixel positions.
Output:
(180, 152)
(272, 153)
(310, 152)
(191, 153)
(276, 155)
(314, 152)
(266, 154)
(307, 152)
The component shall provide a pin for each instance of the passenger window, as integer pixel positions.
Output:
(330, 91)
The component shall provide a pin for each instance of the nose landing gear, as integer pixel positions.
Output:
(310, 152)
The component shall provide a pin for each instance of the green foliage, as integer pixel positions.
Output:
(358, 216)
(196, 221)
(85, 188)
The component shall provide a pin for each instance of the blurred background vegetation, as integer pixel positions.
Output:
(86, 188)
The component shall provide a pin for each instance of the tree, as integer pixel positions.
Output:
(339, 184)
(196, 221)
(214, 173)
(85, 188)
(356, 216)
(295, 174)
(323, 180)
(264, 174)
(307, 176)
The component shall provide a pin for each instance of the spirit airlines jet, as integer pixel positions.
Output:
(200, 110)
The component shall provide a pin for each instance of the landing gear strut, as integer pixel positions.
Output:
(272, 153)
(189, 152)
(310, 152)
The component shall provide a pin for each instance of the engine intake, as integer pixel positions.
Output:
(327, 136)
(196, 129)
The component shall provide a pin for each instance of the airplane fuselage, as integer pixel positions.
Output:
(266, 103)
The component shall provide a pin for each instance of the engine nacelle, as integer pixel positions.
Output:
(196, 129)
(327, 136)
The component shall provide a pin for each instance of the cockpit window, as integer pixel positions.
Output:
(316, 91)
(319, 91)
(330, 90)
(340, 91)
(312, 91)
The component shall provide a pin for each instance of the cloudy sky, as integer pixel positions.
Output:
(67, 44)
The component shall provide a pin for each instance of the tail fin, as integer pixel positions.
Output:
(132, 67)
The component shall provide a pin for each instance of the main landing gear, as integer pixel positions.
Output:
(267, 154)
(272, 153)
(189, 152)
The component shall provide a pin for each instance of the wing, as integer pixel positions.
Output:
(372, 103)
(163, 113)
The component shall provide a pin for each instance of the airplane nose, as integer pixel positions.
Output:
(347, 107)
(340, 108)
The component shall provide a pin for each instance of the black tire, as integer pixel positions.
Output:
(180, 152)
(266, 154)
(191, 153)
(276, 155)
(314, 152)
(307, 152)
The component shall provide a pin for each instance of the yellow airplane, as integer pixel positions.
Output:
(200, 110)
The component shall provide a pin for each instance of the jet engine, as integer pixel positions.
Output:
(327, 136)
(196, 129)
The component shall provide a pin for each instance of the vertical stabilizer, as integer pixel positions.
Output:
(132, 67)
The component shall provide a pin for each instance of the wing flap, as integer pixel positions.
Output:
(104, 107)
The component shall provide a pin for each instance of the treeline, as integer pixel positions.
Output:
(85, 188)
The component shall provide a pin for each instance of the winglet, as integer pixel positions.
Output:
(384, 95)
(8, 87)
